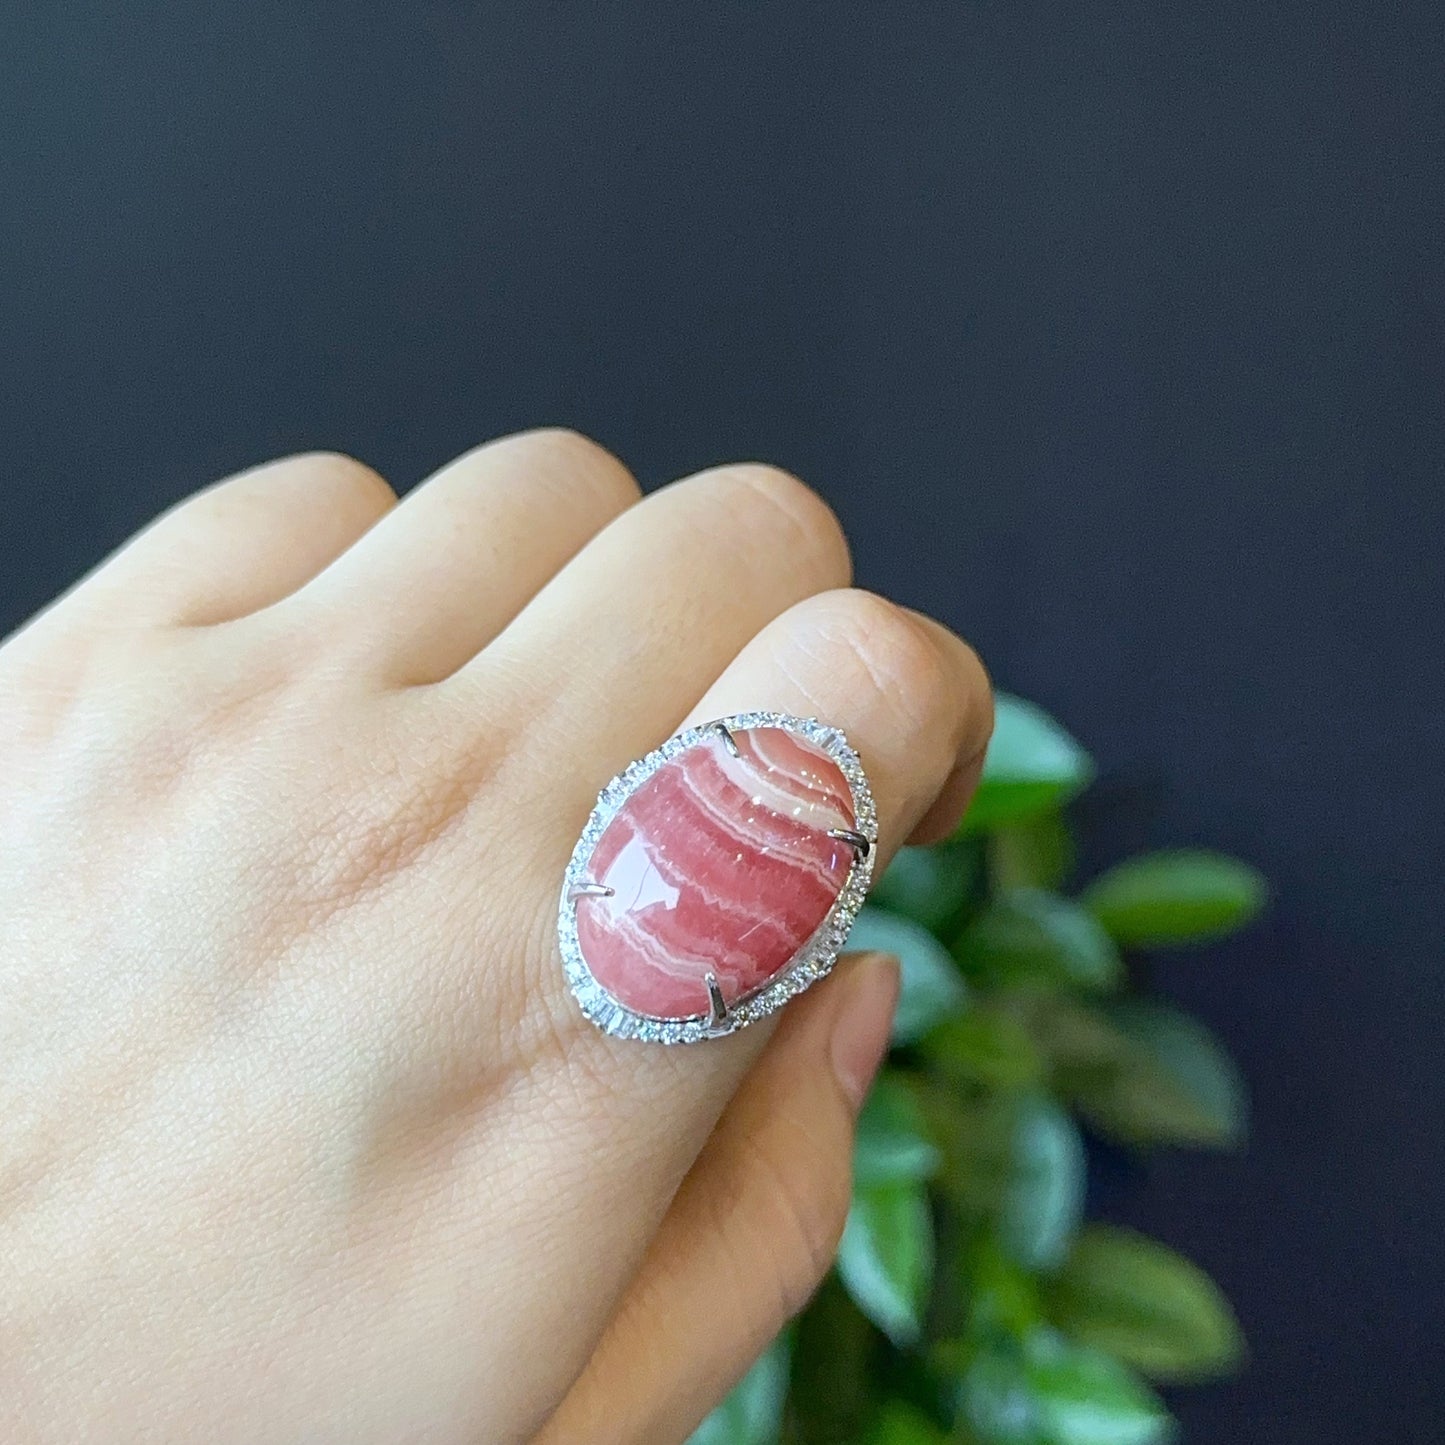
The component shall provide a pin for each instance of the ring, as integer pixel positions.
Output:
(717, 877)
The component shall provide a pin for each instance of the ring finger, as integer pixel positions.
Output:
(912, 698)
(422, 592)
(914, 701)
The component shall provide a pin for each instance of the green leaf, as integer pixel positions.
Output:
(1050, 1392)
(1147, 1306)
(753, 1413)
(1173, 1082)
(1003, 1295)
(885, 1258)
(1044, 1198)
(892, 1144)
(985, 1046)
(1032, 765)
(1176, 897)
(975, 1131)
(1035, 853)
(899, 1423)
(995, 1399)
(1029, 935)
(1075, 1036)
(1085, 1398)
(931, 986)
(932, 886)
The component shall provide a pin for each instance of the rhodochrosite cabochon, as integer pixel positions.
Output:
(717, 877)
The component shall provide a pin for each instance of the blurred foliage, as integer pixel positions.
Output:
(970, 1303)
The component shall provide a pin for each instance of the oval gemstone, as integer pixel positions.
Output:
(717, 864)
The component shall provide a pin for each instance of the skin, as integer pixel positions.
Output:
(302, 1137)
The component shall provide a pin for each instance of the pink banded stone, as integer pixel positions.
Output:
(717, 864)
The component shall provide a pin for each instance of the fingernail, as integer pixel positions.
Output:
(863, 1023)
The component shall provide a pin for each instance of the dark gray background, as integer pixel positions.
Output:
(1113, 332)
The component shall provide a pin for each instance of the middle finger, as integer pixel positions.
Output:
(609, 656)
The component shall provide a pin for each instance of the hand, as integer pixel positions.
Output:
(302, 1137)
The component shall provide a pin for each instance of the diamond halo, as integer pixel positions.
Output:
(811, 962)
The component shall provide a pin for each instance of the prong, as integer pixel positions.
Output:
(729, 741)
(861, 846)
(718, 1009)
(590, 890)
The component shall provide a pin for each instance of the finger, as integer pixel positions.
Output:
(610, 655)
(753, 1228)
(943, 818)
(464, 552)
(614, 1125)
(913, 702)
(947, 809)
(236, 547)
(911, 695)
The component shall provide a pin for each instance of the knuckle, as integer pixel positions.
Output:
(886, 650)
(348, 477)
(767, 496)
(570, 456)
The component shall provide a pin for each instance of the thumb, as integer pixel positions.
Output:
(753, 1228)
